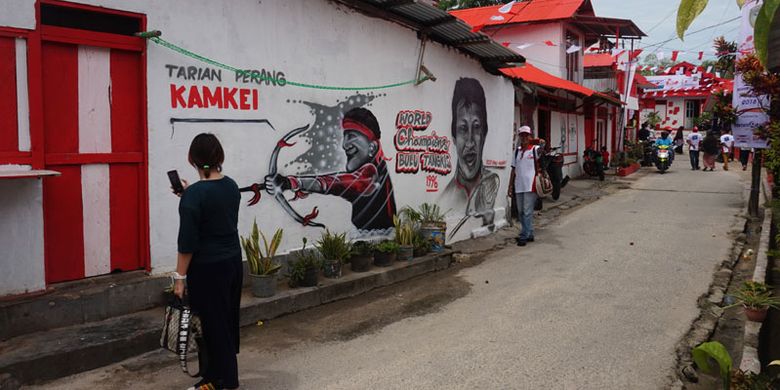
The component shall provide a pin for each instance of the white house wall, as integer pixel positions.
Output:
(331, 45)
(546, 58)
(21, 221)
(17, 14)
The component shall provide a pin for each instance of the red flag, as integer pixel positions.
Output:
(593, 49)
(505, 44)
(634, 54)
(675, 53)
(701, 55)
(549, 43)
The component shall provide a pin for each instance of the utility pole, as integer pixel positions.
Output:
(755, 184)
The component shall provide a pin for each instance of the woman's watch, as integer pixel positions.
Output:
(178, 276)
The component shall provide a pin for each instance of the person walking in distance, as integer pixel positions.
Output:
(711, 147)
(726, 143)
(693, 140)
(209, 260)
(679, 140)
(744, 157)
(521, 179)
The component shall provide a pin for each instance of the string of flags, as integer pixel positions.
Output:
(634, 54)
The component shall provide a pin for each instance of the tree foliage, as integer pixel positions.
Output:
(725, 51)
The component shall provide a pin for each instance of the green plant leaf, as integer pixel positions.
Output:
(715, 350)
(762, 28)
(774, 363)
(688, 11)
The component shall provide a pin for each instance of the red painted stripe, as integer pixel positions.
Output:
(126, 107)
(125, 201)
(60, 98)
(63, 225)
(9, 134)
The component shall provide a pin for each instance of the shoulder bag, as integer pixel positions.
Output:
(542, 183)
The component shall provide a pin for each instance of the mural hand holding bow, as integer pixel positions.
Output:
(275, 184)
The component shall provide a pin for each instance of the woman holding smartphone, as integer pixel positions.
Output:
(209, 260)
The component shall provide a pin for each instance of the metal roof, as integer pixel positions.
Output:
(439, 26)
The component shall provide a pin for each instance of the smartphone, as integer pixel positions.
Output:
(173, 176)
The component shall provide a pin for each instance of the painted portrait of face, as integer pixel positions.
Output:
(469, 128)
(358, 148)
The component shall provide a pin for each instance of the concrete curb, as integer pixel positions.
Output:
(57, 353)
(750, 360)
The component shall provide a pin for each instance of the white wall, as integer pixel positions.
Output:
(547, 58)
(17, 14)
(21, 221)
(329, 45)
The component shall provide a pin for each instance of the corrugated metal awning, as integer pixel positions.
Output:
(440, 26)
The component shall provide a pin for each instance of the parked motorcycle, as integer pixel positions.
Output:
(663, 158)
(648, 154)
(593, 163)
(552, 162)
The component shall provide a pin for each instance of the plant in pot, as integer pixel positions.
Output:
(385, 253)
(421, 245)
(362, 256)
(756, 298)
(262, 267)
(305, 269)
(404, 236)
(335, 250)
(433, 225)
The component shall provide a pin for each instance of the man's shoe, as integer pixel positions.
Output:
(521, 242)
(530, 239)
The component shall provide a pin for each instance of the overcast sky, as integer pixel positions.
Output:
(657, 18)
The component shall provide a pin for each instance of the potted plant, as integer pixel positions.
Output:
(421, 245)
(756, 298)
(362, 256)
(385, 253)
(335, 249)
(433, 225)
(404, 236)
(262, 267)
(305, 269)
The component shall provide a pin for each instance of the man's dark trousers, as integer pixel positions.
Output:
(694, 158)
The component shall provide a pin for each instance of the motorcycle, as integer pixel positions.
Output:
(663, 158)
(647, 153)
(593, 163)
(552, 162)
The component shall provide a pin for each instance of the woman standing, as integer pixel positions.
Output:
(210, 260)
(679, 140)
(711, 148)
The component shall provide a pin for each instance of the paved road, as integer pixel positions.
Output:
(598, 302)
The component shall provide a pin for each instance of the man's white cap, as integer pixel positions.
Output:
(524, 129)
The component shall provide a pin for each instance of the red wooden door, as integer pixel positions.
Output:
(95, 213)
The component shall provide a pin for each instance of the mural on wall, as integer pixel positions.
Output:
(473, 185)
(415, 153)
(344, 159)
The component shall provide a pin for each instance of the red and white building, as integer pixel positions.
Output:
(554, 36)
(680, 94)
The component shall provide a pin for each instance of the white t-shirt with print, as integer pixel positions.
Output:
(695, 140)
(525, 168)
(727, 142)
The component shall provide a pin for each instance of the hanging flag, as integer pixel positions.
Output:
(634, 54)
(496, 18)
(667, 69)
(505, 44)
(709, 69)
(717, 74)
(506, 8)
(594, 48)
(573, 49)
(524, 46)
(660, 55)
(675, 53)
(701, 55)
(618, 52)
(654, 68)
(550, 43)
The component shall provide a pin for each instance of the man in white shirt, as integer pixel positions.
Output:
(693, 140)
(726, 144)
(522, 184)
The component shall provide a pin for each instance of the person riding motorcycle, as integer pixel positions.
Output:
(664, 141)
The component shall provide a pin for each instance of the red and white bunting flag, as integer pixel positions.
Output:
(573, 49)
(594, 48)
(550, 43)
(506, 8)
(506, 44)
(675, 53)
(709, 69)
(660, 55)
(634, 54)
(701, 55)
(667, 69)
